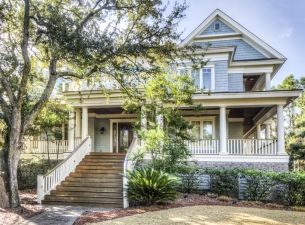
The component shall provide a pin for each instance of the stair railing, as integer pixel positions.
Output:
(48, 182)
(129, 164)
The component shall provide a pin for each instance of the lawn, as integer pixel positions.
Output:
(212, 215)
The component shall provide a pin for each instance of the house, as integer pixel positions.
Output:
(233, 130)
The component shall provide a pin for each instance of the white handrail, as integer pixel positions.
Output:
(203, 147)
(46, 183)
(252, 146)
(128, 166)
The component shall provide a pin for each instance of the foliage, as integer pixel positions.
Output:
(223, 181)
(295, 119)
(149, 186)
(28, 169)
(162, 96)
(189, 175)
(293, 192)
(259, 185)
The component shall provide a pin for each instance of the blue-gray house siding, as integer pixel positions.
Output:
(243, 51)
(235, 82)
(221, 76)
(224, 28)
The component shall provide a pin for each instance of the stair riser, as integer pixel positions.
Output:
(87, 194)
(117, 176)
(95, 167)
(99, 171)
(90, 189)
(94, 185)
(93, 180)
(103, 205)
(84, 199)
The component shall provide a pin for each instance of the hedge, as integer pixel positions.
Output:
(280, 187)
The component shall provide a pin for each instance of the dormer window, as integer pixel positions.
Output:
(216, 26)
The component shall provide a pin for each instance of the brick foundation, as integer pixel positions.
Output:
(271, 166)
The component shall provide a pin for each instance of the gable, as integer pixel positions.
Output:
(223, 29)
(243, 50)
(258, 47)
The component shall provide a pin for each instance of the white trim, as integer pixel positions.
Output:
(252, 70)
(236, 26)
(110, 116)
(239, 158)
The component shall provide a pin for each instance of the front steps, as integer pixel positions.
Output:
(97, 181)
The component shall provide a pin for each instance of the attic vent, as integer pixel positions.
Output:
(217, 26)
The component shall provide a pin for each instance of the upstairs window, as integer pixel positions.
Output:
(216, 26)
(203, 78)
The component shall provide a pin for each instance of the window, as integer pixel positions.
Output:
(216, 26)
(203, 78)
(207, 78)
(203, 128)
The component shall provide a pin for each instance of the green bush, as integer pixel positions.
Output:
(259, 184)
(293, 191)
(28, 169)
(223, 181)
(148, 186)
(189, 175)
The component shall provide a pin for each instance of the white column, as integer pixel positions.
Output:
(258, 131)
(267, 81)
(143, 118)
(77, 123)
(159, 118)
(84, 122)
(223, 130)
(63, 131)
(268, 131)
(280, 131)
(71, 131)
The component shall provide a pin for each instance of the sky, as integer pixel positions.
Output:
(280, 23)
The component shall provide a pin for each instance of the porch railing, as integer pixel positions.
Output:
(252, 146)
(46, 183)
(203, 147)
(45, 147)
(234, 147)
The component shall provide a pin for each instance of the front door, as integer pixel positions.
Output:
(122, 136)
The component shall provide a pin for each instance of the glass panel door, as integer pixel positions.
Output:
(125, 136)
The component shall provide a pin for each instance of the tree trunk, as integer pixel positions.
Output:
(14, 151)
(4, 200)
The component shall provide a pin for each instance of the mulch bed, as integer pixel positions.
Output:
(182, 201)
(29, 207)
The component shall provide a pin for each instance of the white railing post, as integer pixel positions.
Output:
(223, 130)
(40, 188)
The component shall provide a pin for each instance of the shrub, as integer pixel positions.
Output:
(28, 169)
(224, 182)
(149, 186)
(259, 184)
(293, 192)
(189, 175)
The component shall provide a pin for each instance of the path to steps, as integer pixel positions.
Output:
(60, 215)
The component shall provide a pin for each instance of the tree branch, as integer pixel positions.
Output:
(25, 54)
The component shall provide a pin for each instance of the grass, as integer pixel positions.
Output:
(212, 215)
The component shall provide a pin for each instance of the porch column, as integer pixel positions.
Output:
(258, 131)
(159, 118)
(223, 130)
(267, 81)
(143, 118)
(84, 122)
(63, 131)
(268, 131)
(71, 130)
(280, 131)
(77, 123)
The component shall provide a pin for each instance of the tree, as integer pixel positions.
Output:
(47, 41)
(295, 134)
(164, 95)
